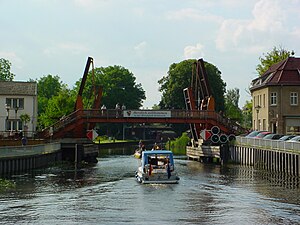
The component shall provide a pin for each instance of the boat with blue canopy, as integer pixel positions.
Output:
(157, 167)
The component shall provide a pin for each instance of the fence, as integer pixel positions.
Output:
(269, 144)
(17, 151)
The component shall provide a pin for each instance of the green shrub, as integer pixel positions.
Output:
(178, 146)
(6, 184)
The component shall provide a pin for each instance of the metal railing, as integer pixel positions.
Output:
(17, 151)
(276, 145)
(112, 113)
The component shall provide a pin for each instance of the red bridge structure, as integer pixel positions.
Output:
(199, 113)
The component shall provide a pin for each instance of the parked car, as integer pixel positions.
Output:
(253, 133)
(286, 137)
(262, 134)
(294, 139)
(273, 136)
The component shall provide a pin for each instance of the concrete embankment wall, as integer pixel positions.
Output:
(17, 159)
(275, 156)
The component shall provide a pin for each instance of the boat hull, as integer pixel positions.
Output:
(158, 178)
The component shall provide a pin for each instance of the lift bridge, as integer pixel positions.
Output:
(199, 113)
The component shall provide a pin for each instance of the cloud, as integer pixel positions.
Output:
(91, 5)
(189, 13)
(192, 52)
(140, 48)
(13, 58)
(73, 48)
(266, 25)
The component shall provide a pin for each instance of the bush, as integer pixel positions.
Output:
(178, 146)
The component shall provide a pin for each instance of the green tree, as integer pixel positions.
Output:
(48, 86)
(270, 58)
(179, 77)
(57, 107)
(247, 115)
(118, 84)
(5, 74)
(232, 109)
(25, 118)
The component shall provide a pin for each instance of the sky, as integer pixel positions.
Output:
(41, 37)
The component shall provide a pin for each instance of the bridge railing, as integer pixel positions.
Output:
(113, 113)
(269, 144)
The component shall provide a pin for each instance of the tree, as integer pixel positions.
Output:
(118, 84)
(48, 86)
(5, 74)
(25, 118)
(179, 77)
(232, 109)
(57, 107)
(275, 56)
(247, 115)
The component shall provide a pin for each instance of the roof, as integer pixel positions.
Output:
(18, 88)
(161, 152)
(285, 72)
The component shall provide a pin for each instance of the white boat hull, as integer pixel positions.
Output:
(156, 178)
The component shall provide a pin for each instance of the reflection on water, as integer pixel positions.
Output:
(107, 193)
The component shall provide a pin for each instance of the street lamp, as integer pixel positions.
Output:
(7, 107)
(257, 111)
(16, 111)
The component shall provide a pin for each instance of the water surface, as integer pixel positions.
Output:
(107, 193)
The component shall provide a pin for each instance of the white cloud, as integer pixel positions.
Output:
(91, 4)
(252, 35)
(189, 13)
(140, 48)
(192, 52)
(268, 16)
(13, 58)
(73, 48)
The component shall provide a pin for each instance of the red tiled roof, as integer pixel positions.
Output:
(286, 72)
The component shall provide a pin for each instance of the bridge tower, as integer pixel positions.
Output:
(198, 96)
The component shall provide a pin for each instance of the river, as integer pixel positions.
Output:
(107, 193)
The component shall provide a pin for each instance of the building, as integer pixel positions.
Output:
(17, 99)
(275, 98)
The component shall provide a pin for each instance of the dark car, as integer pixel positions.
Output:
(286, 137)
(262, 134)
(253, 133)
(273, 136)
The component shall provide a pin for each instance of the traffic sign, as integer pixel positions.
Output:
(231, 137)
(215, 130)
(223, 138)
(205, 134)
(215, 138)
(92, 134)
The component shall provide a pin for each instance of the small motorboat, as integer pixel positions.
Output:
(157, 167)
(137, 154)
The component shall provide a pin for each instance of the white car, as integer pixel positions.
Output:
(294, 139)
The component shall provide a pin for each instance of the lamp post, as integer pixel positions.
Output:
(7, 107)
(257, 111)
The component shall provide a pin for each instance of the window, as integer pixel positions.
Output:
(14, 125)
(15, 103)
(294, 98)
(273, 98)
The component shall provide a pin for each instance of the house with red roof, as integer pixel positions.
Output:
(275, 98)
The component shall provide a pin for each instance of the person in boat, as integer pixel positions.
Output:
(155, 147)
(140, 144)
(154, 161)
(168, 168)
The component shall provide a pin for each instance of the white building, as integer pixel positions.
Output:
(16, 99)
